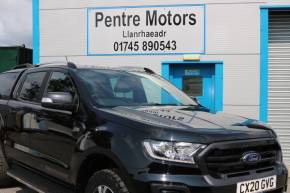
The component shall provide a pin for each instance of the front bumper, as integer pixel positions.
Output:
(163, 183)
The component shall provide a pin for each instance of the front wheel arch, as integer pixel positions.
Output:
(98, 162)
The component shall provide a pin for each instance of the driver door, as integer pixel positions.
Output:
(54, 142)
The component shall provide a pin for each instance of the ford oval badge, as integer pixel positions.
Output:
(251, 157)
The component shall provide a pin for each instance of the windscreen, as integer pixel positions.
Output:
(111, 88)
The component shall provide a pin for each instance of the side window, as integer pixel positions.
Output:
(121, 92)
(7, 82)
(129, 89)
(61, 82)
(31, 88)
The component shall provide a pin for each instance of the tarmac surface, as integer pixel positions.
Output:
(23, 189)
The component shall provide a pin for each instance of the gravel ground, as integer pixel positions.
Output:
(16, 190)
(16, 187)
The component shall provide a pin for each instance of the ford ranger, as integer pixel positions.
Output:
(68, 128)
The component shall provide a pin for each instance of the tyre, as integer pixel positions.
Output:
(106, 181)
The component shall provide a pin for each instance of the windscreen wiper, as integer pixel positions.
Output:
(159, 104)
(196, 108)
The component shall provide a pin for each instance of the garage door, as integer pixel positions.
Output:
(279, 77)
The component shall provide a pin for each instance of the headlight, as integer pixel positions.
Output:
(172, 151)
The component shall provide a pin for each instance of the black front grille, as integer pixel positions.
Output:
(227, 159)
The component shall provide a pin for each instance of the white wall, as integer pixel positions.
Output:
(233, 36)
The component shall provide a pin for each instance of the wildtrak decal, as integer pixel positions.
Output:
(165, 113)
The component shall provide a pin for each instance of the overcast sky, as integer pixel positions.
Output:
(16, 22)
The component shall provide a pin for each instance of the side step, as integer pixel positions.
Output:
(36, 181)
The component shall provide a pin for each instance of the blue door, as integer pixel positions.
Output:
(196, 80)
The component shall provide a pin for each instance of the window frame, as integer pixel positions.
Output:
(21, 83)
(50, 73)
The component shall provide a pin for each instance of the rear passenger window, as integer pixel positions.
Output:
(31, 88)
(7, 81)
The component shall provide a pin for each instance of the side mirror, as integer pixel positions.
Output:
(59, 101)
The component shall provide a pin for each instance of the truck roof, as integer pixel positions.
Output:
(14, 70)
(70, 65)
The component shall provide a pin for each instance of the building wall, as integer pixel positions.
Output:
(232, 36)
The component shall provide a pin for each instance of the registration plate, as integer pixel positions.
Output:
(258, 185)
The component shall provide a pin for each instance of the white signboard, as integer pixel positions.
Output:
(144, 30)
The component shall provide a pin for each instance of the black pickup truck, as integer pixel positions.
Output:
(103, 130)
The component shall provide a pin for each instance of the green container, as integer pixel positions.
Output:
(13, 56)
